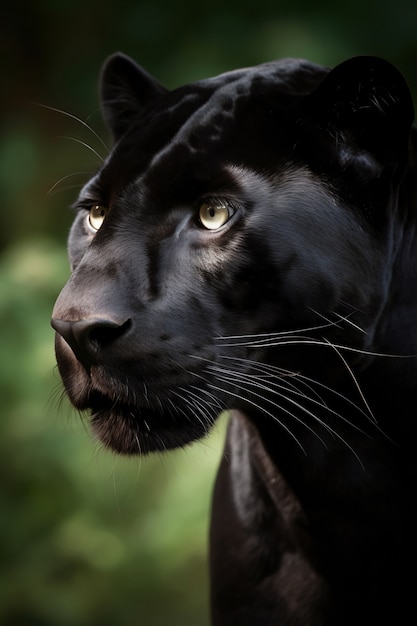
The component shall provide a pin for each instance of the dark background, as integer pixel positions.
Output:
(87, 539)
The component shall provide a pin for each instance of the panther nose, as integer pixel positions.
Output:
(86, 337)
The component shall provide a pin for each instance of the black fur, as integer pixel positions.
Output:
(298, 311)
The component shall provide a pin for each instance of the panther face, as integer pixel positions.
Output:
(238, 225)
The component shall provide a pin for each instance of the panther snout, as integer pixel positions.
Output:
(87, 336)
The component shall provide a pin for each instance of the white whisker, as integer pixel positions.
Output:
(83, 143)
(344, 318)
(292, 415)
(77, 119)
(355, 381)
(214, 400)
(295, 341)
(277, 334)
(198, 408)
(51, 190)
(282, 391)
(274, 371)
(341, 318)
(305, 380)
(263, 410)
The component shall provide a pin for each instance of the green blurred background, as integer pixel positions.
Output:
(87, 539)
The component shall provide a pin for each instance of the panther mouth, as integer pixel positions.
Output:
(130, 420)
(133, 430)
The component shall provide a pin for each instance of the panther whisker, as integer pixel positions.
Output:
(307, 381)
(178, 410)
(276, 388)
(368, 414)
(213, 398)
(138, 444)
(77, 119)
(307, 412)
(341, 319)
(345, 318)
(67, 188)
(276, 334)
(56, 397)
(53, 188)
(287, 376)
(145, 392)
(83, 143)
(194, 407)
(162, 443)
(301, 378)
(206, 419)
(206, 406)
(161, 406)
(267, 342)
(355, 381)
(289, 341)
(262, 410)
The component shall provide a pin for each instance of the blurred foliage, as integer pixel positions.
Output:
(87, 538)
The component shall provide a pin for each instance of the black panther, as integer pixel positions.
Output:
(249, 244)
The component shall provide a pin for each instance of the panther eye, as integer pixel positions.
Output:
(214, 215)
(96, 216)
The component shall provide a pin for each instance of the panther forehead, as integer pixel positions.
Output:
(193, 119)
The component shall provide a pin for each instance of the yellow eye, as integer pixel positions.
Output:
(214, 215)
(97, 216)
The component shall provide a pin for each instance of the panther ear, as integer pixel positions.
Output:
(125, 89)
(365, 106)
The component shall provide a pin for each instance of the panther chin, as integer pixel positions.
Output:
(131, 431)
